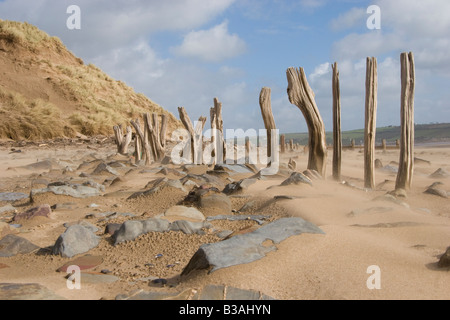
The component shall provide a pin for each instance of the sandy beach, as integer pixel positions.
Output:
(403, 237)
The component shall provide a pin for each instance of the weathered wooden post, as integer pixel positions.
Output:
(301, 94)
(147, 149)
(291, 144)
(269, 122)
(217, 137)
(406, 163)
(155, 135)
(122, 141)
(337, 139)
(370, 126)
(195, 135)
(353, 144)
(397, 143)
(283, 143)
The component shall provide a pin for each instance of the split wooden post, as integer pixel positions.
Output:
(122, 141)
(155, 135)
(301, 95)
(370, 124)
(195, 135)
(217, 136)
(406, 163)
(147, 149)
(353, 144)
(269, 122)
(337, 139)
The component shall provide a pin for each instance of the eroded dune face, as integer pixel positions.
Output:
(369, 239)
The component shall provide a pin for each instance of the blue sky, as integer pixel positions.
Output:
(186, 52)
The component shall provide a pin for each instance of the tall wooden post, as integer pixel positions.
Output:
(195, 135)
(406, 163)
(269, 122)
(370, 126)
(145, 144)
(301, 95)
(337, 139)
(217, 136)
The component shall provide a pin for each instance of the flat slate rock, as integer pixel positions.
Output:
(29, 291)
(12, 245)
(297, 178)
(248, 247)
(257, 218)
(12, 196)
(71, 190)
(84, 263)
(440, 173)
(6, 209)
(184, 212)
(40, 211)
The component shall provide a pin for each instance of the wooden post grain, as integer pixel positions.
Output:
(370, 123)
(406, 163)
(301, 95)
(269, 122)
(337, 139)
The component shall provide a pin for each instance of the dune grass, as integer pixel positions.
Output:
(97, 102)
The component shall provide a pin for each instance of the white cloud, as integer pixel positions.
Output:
(110, 24)
(213, 45)
(321, 70)
(350, 19)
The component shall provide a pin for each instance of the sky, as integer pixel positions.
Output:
(187, 52)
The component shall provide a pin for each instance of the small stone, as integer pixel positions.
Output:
(75, 240)
(444, 261)
(297, 178)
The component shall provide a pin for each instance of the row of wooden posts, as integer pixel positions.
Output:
(151, 139)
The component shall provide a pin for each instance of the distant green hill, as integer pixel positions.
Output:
(424, 133)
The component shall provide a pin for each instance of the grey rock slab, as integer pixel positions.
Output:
(297, 178)
(130, 230)
(440, 173)
(258, 218)
(103, 168)
(74, 191)
(247, 247)
(12, 245)
(6, 209)
(437, 192)
(239, 186)
(189, 227)
(29, 291)
(12, 196)
(75, 240)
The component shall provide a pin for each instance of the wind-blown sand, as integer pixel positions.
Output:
(405, 241)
